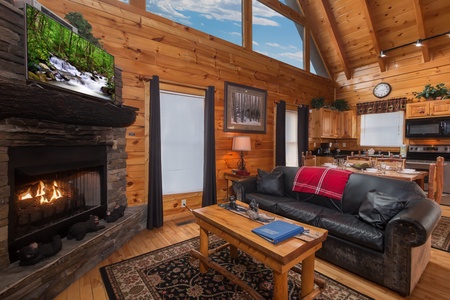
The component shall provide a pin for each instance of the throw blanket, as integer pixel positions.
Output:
(321, 181)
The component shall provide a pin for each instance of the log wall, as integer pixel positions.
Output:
(406, 74)
(145, 44)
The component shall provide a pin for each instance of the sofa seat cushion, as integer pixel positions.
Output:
(351, 228)
(267, 202)
(300, 211)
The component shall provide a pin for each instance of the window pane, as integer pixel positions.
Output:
(182, 142)
(277, 36)
(291, 139)
(316, 63)
(382, 129)
(216, 17)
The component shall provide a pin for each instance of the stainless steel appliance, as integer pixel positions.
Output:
(428, 127)
(420, 157)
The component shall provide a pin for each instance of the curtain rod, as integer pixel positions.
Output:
(298, 105)
(147, 78)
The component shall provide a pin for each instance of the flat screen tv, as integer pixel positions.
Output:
(58, 57)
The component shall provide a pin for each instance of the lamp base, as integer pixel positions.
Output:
(242, 172)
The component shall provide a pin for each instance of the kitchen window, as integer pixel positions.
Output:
(382, 130)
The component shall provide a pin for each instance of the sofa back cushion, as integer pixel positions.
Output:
(358, 185)
(289, 175)
(270, 183)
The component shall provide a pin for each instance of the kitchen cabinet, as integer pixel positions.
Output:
(328, 123)
(324, 123)
(348, 124)
(427, 109)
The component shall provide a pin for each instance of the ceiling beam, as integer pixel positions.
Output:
(284, 10)
(333, 31)
(421, 30)
(373, 36)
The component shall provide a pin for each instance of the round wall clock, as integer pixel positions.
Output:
(382, 89)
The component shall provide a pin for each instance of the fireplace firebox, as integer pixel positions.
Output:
(51, 189)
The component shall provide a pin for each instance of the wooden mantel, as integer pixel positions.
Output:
(24, 101)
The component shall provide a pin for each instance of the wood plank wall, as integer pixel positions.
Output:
(145, 44)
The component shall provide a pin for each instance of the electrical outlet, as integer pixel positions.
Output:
(344, 145)
(183, 203)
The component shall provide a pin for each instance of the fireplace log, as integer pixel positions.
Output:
(33, 102)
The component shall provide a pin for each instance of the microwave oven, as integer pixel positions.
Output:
(429, 127)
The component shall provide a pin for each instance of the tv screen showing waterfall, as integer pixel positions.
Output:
(58, 57)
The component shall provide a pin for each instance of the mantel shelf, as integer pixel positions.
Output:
(31, 102)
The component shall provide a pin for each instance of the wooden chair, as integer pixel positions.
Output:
(436, 180)
(391, 161)
(308, 159)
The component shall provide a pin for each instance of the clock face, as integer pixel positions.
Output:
(382, 90)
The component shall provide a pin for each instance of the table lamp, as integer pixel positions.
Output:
(241, 143)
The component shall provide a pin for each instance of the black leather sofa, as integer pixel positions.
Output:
(393, 255)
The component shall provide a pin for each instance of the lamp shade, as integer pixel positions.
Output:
(241, 143)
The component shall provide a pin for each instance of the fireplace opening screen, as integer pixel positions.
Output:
(53, 188)
(42, 200)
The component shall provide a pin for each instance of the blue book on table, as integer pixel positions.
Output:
(278, 231)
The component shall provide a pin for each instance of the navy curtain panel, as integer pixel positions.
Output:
(302, 130)
(280, 134)
(155, 197)
(209, 165)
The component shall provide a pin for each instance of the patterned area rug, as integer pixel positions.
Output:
(440, 239)
(171, 273)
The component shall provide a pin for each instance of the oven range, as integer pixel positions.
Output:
(420, 157)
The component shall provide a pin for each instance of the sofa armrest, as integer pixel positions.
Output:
(243, 187)
(415, 223)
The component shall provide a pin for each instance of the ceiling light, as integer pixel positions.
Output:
(382, 54)
(419, 43)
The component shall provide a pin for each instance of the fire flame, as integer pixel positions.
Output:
(44, 192)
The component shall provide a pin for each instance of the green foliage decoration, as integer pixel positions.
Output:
(433, 92)
(317, 102)
(341, 104)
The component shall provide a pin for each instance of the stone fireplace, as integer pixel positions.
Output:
(62, 158)
(69, 155)
(85, 165)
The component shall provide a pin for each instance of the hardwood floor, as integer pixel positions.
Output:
(434, 283)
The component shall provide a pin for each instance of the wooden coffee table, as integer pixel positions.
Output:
(236, 230)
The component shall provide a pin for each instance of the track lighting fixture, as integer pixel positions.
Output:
(417, 43)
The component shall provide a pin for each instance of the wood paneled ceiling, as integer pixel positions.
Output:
(351, 33)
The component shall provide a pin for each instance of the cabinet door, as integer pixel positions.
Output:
(327, 123)
(348, 124)
(330, 123)
(439, 108)
(417, 110)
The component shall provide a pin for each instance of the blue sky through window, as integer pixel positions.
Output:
(273, 35)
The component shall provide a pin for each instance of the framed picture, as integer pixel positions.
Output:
(245, 108)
